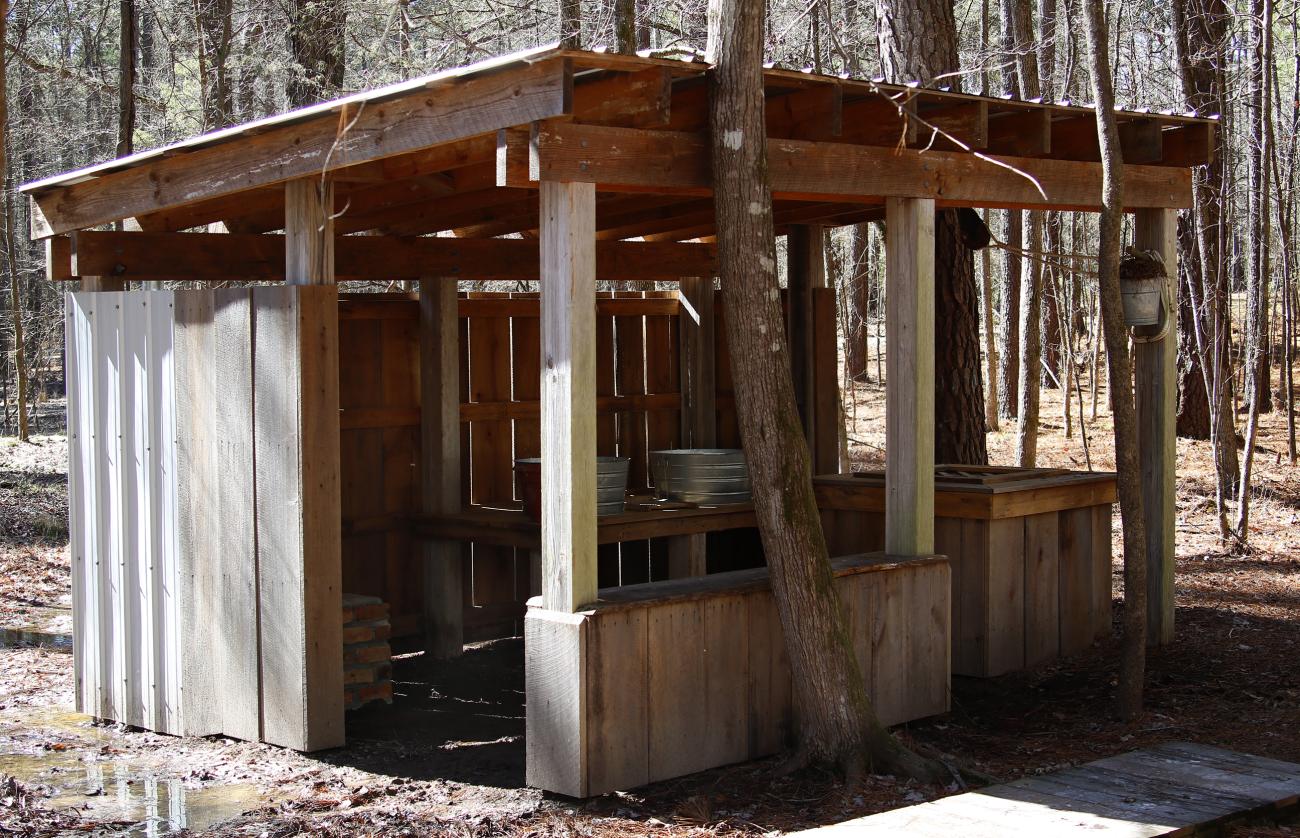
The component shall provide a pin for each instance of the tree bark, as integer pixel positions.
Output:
(127, 46)
(317, 33)
(213, 19)
(918, 42)
(15, 296)
(837, 723)
(1200, 46)
(1132, 666)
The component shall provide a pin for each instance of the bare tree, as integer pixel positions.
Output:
(1132, 667)
(15, 296)
(837, 723)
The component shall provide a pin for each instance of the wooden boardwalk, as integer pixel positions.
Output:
(1174, 789)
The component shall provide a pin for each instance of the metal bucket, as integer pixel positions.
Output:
(1141, 301)
(611, 485)
(701, 475)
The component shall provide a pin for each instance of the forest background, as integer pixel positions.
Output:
(87, 80)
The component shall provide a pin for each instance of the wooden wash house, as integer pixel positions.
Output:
(253, 441)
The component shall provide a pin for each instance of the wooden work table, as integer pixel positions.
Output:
(643, 519)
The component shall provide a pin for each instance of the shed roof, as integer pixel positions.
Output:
(462, 150)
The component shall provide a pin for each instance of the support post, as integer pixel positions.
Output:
(687, 554)
(1157, 386)
(909, 377)
(806, 271)
(568, 301)
(309, 232)
(444, 621)
(698, 370)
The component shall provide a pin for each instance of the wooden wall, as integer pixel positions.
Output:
(1026, 588)
(669, 678)
(639, 410)
(203, 511)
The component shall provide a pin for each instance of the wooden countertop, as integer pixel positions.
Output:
(644, 519)
(1007, 498)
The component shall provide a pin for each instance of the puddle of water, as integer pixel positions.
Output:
(11, 637)
(112, 791)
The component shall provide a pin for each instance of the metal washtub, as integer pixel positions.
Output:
(701, 475)
(611, 485)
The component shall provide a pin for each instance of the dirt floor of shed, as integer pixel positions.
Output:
(448, 756)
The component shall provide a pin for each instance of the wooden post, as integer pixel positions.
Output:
(806, 271)
(444, 622)
(909, 377)
(687, 554)
(698, 371)
(568, 300)
(309, 232)
(1157, 387)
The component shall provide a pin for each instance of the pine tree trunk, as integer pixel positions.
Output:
(317, 33)
(837, 723)
(859, 300)
(918, 41)
(1132, 667)
(1010, 314)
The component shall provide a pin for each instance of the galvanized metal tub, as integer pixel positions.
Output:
(701, 475)
(611, 485)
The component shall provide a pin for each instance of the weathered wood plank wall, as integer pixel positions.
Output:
(639, 402)
(184, 622)
(666, 679)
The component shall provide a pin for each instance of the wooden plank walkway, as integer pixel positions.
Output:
(1173, 789)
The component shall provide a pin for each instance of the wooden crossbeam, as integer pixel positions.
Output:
(418, 120)
(214, 257)
(676, 163)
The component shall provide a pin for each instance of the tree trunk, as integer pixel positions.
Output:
(837, 723)
(213, 19)
(15, 297)
(127, 45)
(1132, 666)
(858, 293)
(990, 338)
(1009, 310)
(570, 24)
(625, 32)
(918, 41)
(1200, 45)
(317, 33)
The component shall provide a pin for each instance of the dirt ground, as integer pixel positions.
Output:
(447, 758)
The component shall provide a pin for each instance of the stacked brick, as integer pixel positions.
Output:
(367, 658)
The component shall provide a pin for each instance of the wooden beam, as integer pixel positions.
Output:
(212, 257)
(810, 113)
(909, 377)
(568, 294)
(309, 232)
(667, 162)
(967, 122)
(1157, 389)
(417, 120)
(444, 623)
(1025, 133)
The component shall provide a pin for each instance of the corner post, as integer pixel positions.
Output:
(568, 386)
(1157, 386)
(909, 378)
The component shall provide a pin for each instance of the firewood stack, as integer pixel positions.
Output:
(367, 658)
